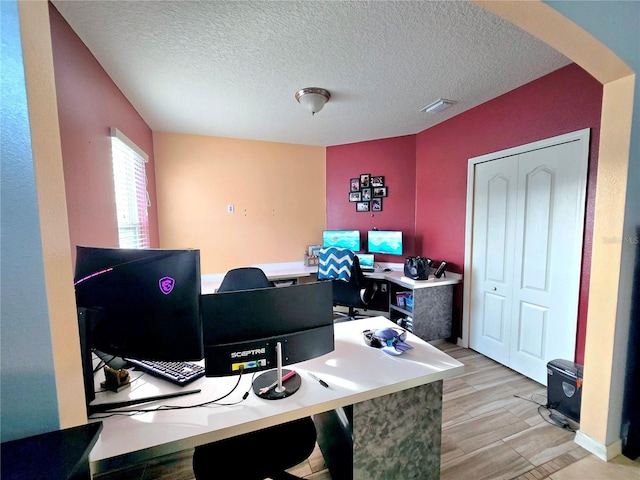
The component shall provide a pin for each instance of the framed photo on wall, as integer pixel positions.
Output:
(362, 207)
(377, 181)
(367, 191)
(364, 180)
(380, 191)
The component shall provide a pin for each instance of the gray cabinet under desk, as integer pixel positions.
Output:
(429, 313)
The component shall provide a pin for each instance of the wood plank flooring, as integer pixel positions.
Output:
(493, 429)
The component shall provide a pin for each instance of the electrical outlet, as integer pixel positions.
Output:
(230, 208)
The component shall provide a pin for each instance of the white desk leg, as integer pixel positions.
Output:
(398, 435)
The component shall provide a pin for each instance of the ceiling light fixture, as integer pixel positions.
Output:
(313, 98)
(438, 106)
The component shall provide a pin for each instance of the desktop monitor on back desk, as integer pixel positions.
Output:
(349, 239)
(381, 241)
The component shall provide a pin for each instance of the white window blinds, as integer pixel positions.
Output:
(132, 199)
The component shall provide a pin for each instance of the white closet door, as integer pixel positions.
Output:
(526, 251)
(548, 243)
(496, 186)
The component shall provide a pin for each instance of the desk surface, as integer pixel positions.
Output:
(354, 372)
(287, 270)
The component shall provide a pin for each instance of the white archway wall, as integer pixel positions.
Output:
(602, 397)
(52, 205)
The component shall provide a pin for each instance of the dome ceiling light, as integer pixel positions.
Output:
(313, 98)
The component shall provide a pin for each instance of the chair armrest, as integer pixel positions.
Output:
(369, 292)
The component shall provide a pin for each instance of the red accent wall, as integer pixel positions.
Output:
(566, 100)
(393, 158)
(89, 103)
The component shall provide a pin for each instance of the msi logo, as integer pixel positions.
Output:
(166, 285)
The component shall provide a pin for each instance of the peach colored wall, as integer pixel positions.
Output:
(278, 193)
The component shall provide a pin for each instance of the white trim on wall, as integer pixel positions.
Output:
(603, 452)
(129, 143)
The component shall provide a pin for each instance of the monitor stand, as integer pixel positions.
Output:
(108, 406)
(270, 385)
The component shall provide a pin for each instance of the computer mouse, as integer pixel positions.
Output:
(387, 270)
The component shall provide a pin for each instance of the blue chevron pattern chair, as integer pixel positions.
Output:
(335, 263)
(350, 287)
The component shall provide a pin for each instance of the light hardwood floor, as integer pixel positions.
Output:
(492, 429)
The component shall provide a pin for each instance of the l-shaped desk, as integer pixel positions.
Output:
(397, 408)
(430, 315)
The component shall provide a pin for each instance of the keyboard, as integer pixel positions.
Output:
(180, 373)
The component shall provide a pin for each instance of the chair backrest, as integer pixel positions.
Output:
(244, 278)
(335, 263)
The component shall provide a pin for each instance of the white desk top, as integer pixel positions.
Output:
(354, 372)
(286, 270)
(274, 271)
(399, 278)
(283, 270)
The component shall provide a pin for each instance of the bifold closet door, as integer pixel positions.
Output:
(527, 250)
(496, 184)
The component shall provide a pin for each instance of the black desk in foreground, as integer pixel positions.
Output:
(58, 455)
(397, 408)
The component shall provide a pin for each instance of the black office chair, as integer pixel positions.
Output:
(266, 453)
(355, 293)
(244, 278)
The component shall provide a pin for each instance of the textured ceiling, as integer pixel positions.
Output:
(231, 68)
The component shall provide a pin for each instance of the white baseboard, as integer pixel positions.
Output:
(460, 343)
(603, 452)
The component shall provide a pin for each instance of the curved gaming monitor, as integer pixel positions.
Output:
(242, 328)
(145, 303)
(137, 303)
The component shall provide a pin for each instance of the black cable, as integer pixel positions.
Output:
(555, 420)
(552, 419)
(531, 399)
(162, 408)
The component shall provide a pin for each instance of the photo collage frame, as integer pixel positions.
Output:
(367, 192)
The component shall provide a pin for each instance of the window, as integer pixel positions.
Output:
(132, 199)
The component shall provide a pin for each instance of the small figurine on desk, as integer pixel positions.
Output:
(115, 380)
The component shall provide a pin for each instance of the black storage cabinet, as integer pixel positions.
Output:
(564, 387)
